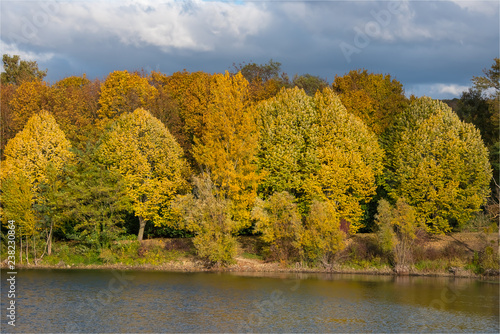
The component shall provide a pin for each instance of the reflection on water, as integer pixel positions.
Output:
(146, 301)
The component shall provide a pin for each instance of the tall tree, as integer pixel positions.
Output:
(142, 150)
(17, 71)
(375, 98)
(314, 149)
(438, 164)
(227, 144)
(6, 127)
(33, 157)
(265, 80)
(93, 200)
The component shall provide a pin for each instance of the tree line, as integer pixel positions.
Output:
(299, 162)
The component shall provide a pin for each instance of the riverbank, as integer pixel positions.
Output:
(445, 255)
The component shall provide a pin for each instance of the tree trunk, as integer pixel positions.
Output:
(49, 241)
(142, 224)
(21, 249)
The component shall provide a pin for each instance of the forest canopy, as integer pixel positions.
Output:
(301, 163)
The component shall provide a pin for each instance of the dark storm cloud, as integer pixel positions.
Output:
(432, 47)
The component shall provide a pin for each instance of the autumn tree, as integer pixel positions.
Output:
(30, 98)
(32, 157)
(74, 104)
(438, 163)
(6, 127)
(321, 236)
(142, 150)
(124, 92)
(227, 143)
(16, 71)
(375, 98)
(314, 149)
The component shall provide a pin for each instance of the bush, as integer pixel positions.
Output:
(279, 221)
(322, 237)
(208, 215)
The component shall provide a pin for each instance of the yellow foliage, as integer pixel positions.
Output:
(124, 92)
(227, 143)
(39, 149)
(438, 164)
(150, 160)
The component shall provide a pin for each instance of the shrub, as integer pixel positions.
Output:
(279, 221)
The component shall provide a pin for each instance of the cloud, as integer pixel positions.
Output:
(421, 43)
(190, 25)
(438, 90)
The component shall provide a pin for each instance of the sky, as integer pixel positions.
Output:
(433, 48)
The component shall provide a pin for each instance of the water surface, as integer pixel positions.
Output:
(99, 301)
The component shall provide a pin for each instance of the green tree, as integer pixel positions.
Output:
(375, 98)
(309, 83)
(142, 150)
(92, 200)
(265, 80)
(16, 71)
(438, 164)
(35, 156)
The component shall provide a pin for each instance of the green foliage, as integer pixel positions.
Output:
(16, 71)
(208, 214)
(309, 83)
(397, 229)
(94, 200)
(151, 162)
(279, 222)
(438, 164)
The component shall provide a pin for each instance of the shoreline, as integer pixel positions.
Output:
(265, 269)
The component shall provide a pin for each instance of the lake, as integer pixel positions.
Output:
(149, 301)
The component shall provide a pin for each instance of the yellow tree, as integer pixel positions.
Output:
(438, 163)
(375, 98)
(349, 156)
(314, 149)
(151, 162)
(227, 144)
(32, 157)
(123, 92)
(190, 93)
